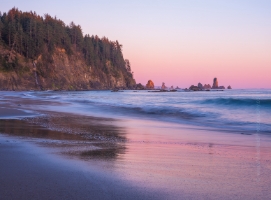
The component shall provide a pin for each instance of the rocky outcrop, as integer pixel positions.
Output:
(150, 85)
(163, 87)
(139, 86)
(194, 88)
(229, 87)
(200, 86)
(215, 84)
(207, 87)
(58, 71)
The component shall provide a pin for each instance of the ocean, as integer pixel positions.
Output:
(229, 110)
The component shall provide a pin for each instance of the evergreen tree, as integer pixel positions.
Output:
(32, 35)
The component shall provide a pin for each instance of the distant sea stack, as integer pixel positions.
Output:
(150, 85)
(139, 86)
(164, 87)
(194, 88)
(207, 87)
(215, 84)
(200, 86)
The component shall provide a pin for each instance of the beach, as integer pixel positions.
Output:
(54, 149)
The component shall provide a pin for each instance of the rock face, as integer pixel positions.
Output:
(229, 87)
(163, 86)
(207, 87)
(200, 86)
(63, 72)
(215, 84)
(150, 85)
(194, 88)
(139, 86)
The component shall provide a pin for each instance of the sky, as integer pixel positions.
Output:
(178, 42)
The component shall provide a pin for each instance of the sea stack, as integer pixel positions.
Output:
(150, 85)
(200, 86)
(163, 86)
(194, 88)
(207, 87)
(229, 87)
(139, 86)
(215, 84)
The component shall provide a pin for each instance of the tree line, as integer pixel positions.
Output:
(32, 35)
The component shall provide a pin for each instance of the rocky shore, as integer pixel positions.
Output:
(207, 87)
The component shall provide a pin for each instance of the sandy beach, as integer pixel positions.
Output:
(48, 154)
(28, 173)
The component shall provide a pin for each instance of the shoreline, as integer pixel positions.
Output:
(29, 173)
(138, 155)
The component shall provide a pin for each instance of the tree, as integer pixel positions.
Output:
(32, 35)
(127, 65)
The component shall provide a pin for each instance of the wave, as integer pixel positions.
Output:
(27, 95)
(177, 111)
(146, 110)
(238, 102)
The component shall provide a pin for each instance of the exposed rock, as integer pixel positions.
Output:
(177, 88)
(139, 86)
(215, 84)
(150, 85)
(229, 87)
(61, 72)
(172, 89)
(115, 90)
(207, 87)
(163, 86)
(194, 88)
(200, 86)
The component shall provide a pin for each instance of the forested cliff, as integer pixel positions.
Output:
(42, 52)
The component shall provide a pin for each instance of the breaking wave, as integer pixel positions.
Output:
(239, 102)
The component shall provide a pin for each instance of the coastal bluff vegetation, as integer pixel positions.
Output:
(43, 53)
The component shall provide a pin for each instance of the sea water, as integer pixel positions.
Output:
(225, 155)
(234, 110)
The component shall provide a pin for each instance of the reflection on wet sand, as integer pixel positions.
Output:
(81, 136)
(105, 153)
(176, 159)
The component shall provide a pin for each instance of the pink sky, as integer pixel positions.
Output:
(240, 68)
(178, 42)
(241, 59)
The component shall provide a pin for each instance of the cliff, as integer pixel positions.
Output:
(63, 72)
(42, 53)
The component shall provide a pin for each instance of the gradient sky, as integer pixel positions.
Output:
(177, 42)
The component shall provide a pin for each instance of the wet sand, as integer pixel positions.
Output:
(74, 156)
(13, 113)
(28, 173)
